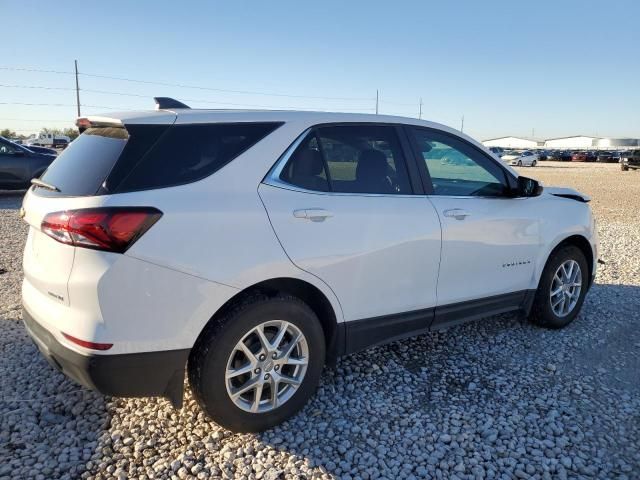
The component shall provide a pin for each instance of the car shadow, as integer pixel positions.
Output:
(11, 199)
(402, 409)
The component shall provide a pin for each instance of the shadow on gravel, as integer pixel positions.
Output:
(498, 396)
(11, 199)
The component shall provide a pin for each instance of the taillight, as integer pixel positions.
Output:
(113, 229)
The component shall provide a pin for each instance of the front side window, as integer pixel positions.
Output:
(457, 169)
(350, 159)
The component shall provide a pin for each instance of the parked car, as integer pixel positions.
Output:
(630, 160)
(498, 151)
(519, 159)
(604, 157)
(18, 165)
(584, 156)
(566, 156)
(543, 154)
(48, 140)
(251, 248)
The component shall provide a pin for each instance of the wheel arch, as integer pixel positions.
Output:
(580, 242)
(305, 291)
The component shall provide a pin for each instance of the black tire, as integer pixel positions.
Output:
(208, 360)
(542, 314)
(623, 167)
(519, 163)
(534, 163)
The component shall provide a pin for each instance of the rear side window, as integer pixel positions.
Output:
(187, 153)
(85, 163)
(305, 168)
(349, 159)
(105, 160)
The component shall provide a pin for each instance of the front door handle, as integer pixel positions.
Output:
(313, 214)
(457, 213)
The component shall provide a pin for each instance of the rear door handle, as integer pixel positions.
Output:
(457, 213)
(313, 214)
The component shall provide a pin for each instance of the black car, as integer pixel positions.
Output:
(630, 160)
(565, 156)
(18, 165)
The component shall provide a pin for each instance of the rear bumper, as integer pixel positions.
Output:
(146, 374)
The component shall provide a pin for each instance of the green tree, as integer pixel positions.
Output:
(6, 133)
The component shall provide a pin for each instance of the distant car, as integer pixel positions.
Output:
(498, 151)
(18, 165)
(520, 159)
(566, 155)
(44, 150)
(584, 156)
(630, 160)
(605, 157)
(543, 154)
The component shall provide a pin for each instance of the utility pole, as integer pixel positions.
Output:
(462, 124)
(420, 112)
(77, 89)
(377, 100)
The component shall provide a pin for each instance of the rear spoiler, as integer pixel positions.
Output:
(162, 103)
(85, 122)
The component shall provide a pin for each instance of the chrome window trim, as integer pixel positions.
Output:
(273, 179)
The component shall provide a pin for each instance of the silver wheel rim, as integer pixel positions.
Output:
(267, 366)
(565, 288)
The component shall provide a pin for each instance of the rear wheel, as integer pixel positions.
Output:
(563, 286)
(533, 164)
(259, 364)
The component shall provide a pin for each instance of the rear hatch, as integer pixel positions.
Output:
(75, 180)
(113, 157)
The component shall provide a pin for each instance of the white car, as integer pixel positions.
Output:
(250, 248)
(521, 159)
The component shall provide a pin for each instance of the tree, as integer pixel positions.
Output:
(6, 133)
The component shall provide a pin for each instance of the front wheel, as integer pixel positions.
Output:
(259, 364)
(562, 288)
(519, 163)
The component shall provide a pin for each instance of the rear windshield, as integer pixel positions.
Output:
(86, 162)
(107, 160)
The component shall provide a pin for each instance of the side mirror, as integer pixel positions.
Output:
(528, 187)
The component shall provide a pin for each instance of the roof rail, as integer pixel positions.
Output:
(167, 103)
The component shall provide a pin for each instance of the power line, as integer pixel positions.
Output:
(37, 119)
(60, 105)
(37, 70)
(107, 92)
(245, 92)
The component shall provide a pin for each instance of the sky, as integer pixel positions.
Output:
(526, 68)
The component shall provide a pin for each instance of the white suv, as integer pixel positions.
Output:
(251, 248)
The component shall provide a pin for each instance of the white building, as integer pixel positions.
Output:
(577, 141)
(513, 142)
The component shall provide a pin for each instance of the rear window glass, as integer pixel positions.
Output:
(82, 167)
(187, 153)
(105, 160)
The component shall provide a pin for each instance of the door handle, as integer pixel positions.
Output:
(313, 214)
(457, 213)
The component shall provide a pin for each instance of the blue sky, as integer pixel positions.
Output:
(510, 67)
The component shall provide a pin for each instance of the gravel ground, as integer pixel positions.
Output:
(498, 398)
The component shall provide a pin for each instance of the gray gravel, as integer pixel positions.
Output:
(498, 398)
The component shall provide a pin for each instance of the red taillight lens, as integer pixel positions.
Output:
(85, 344)
(113, 229)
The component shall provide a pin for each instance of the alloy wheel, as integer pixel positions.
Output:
(267, 366)
(565, 288)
